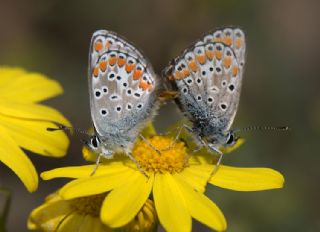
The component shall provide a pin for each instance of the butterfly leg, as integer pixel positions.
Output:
(213, 148)
(137, 164)
(184, 126)
(97, 165)
(202, 144)
(149, 144)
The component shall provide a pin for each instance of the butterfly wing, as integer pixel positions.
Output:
(122, 85)
(208, 76)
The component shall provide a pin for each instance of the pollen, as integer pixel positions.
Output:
(88, 205)
(161, 154)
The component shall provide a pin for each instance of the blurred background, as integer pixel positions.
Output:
(281, 87)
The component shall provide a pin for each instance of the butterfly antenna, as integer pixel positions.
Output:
(262, 128)
(68, 129)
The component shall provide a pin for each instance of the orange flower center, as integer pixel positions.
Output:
(161, 154)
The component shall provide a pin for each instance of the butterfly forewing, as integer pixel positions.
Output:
(122, 84)
(208, 76)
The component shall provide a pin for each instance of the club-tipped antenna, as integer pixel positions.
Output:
(67, 128)
(262, 128)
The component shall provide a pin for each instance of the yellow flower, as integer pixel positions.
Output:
(82, 214)
(60, 215)
(176, 184)
(23, 122)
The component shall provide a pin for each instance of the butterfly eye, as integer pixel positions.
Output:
(95, 142)
(230, 139)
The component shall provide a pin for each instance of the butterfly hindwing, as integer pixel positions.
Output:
(122, 84)
(208, 76)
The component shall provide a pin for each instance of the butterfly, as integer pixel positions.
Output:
(208, 77)
(123, 90)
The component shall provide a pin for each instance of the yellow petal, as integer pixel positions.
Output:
(26, 87)
(88, 154)
(201, 207)
(49, 215)
(98, 226)
(32, 111)
(84, 171)
(247, 179)
(170, 204)
(96, 184)
(92, 224)
(123, 203)
(7, 74)
(202, 157)
(13, 157)
(197, 176)
(73, 222)
(33, 136)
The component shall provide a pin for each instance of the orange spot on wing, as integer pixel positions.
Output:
(209, 54)
(150, 86)
(185, 72)
(217, 40)
(98, 46)
(218, 54)
(96, 71)
(227, 62)
(108, 44)
(103, 65)
(143, 85)
(121, 62)
(227, 40)
(238, 43)
(177, 76)
(137, 74)
(129, 67)
(235, 70)
(193, 65)
(201, 59)
(170, 77)
(112, 60)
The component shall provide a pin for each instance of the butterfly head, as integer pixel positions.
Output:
(224, 139)
(231, 139)
(94, 143)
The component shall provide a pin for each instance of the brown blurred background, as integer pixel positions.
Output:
(281, 87)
